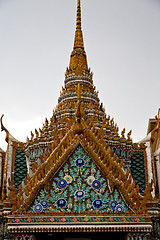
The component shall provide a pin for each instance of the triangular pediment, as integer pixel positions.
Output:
(101, 166)
(80, 182)
(79, 186)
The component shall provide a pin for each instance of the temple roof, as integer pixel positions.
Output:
(96, 148)
(77, 169)
(85, 136)
(80, 181)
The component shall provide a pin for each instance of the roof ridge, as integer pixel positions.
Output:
(61, 152)
(103, 157)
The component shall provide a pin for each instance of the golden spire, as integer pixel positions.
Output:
(78, 41)
(78, 59)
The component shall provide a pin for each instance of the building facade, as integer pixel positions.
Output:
(77, 177)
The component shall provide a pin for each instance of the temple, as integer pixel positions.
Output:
(77, 177)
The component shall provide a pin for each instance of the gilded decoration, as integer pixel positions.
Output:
(78, 60)
(77, 168)
(79, 187)
(4, 129)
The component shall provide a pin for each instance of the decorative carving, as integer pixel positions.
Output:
(41, 132)
(123, 132)
(112, 122)
(32, 135)
(4, 129)
(79, 112)
(13, 192)
(148, 190)
(46, 122)
(152, 139)
(37, 133)
(116, 130)
(89, 185)
(78, 60)
(129, 135)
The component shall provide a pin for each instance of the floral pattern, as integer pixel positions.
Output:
(55, 220)
(79, 187)
(90, 180)
(38, 208)
(96, 184)
(68, 179)
(44, 204)
(79, 194)
(61, 203)
(119, 209)
(79, 162)
(62, 183)
(113, 204)
(97, 203)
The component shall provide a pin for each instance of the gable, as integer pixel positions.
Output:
(79, 187)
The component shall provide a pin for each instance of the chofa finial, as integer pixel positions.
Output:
(4, 129)
(152, 139)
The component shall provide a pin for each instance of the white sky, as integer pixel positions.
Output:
(122, 41)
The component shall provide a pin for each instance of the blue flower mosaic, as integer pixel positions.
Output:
(96, 184)
(38, 208)
(119, 209)
(97, 203)
(79, 194)
(62, 183)
(44, 204)
(79, 162)
(77, 180)
(113, 204)
(61, 203)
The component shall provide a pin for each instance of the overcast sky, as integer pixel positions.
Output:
(122, 41)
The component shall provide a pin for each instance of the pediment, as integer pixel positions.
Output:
(101, 166)
(79, 187)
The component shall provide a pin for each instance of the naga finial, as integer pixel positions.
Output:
(148, 191)
(4, 129)
(37, 133)
(112, 122)
(123, 132)
(46, 122)
(107, 119)
(129, 135)
(41, 132)
(32, 135)
(116, 130)
(13, 192)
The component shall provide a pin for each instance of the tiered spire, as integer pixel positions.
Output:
(78, 59)
(78, 42)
